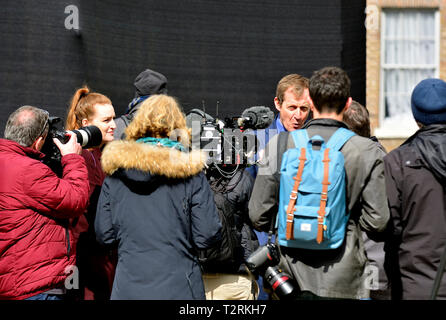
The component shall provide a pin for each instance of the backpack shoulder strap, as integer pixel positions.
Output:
(293, 196)
(339, 138)
(282, 142)
(282, 146)
(300, 137)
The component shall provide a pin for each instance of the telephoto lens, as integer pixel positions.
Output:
(88, 137)
(281, 283)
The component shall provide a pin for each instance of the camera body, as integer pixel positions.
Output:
(87, 137)
(267, 255)
(264, 261)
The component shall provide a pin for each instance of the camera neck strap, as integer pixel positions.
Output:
(271, 229)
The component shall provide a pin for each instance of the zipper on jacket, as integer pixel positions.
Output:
(67, 233)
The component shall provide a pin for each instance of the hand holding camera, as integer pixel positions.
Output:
(60, 142)
(72, 146)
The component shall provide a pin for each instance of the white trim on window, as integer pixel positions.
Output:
(404, 126)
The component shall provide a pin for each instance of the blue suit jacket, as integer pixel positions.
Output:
(263, 137)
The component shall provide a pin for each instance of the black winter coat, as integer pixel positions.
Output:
(415, 182)
(237, 191)
(158, 207)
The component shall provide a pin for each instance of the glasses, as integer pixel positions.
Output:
(46, 123)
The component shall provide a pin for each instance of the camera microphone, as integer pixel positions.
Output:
(256, 117)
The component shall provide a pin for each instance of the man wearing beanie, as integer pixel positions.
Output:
(146, 83)
(415, 181)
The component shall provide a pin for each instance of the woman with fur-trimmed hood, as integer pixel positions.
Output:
(156, 204)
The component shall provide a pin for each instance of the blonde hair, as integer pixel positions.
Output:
(82, 107)
(159, 116)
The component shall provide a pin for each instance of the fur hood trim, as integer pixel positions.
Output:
(168, 162)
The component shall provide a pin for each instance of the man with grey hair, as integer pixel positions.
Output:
(37, 248)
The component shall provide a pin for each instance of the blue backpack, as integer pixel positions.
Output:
(312, 197)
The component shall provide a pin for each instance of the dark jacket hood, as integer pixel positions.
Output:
(430, 144)
(142, 162)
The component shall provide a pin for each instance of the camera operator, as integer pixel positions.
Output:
(230, 280)
(36, 242)
(225, 274)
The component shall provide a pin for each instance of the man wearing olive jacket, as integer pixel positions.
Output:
(335, 273)
(37, 247)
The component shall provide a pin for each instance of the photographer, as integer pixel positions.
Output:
(336, 272)
(36, 242)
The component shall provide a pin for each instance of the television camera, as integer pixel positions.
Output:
(229, 143)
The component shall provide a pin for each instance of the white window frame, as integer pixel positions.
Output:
(403, 130)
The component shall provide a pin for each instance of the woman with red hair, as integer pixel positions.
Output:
(96, 263)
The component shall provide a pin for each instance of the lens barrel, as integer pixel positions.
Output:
(89, 136)
(280, 282)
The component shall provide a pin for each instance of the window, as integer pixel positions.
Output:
(409, 54)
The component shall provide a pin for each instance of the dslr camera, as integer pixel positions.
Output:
(87, 137)
(264, 261)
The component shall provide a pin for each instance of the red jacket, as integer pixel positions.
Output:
(36, 242)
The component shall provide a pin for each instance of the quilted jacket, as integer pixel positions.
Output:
(36, 241)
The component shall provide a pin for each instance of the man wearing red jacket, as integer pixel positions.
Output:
(37, 249)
